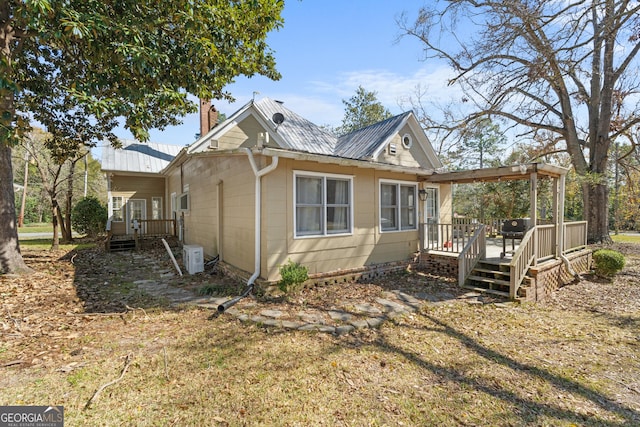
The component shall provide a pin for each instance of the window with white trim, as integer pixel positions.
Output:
(156, 208)
(117, 212)
(323, 204)
(183, 202)
(398, 206)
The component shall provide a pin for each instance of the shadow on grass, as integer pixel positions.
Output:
(529, 410)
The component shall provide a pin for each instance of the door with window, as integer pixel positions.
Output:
(431, 217)
(136, 210)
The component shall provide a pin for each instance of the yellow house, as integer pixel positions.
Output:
(267, 186)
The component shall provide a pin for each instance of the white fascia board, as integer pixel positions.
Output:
(341, 161)
(425, 144)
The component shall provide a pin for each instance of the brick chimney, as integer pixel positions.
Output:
(208, 116)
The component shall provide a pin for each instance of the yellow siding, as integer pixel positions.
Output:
(135, 187)
(411, 157)
(243, 135)
(205, 177)
(446, 200)
(365, 246)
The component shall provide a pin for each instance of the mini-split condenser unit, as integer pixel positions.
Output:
(193, 258)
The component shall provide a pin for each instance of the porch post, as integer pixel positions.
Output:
(533, 182)
(556, 216)
(560, 221)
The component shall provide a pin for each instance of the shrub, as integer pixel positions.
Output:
(293, 275)
(89, 216)
(607, 262)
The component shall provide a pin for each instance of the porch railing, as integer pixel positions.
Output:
(473, 251)
(446, 237)
(523, 258)
(546, 248)
(575, 236)
(157, 227)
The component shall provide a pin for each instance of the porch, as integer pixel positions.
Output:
(547, 254)
(141, 234)
(475, 255)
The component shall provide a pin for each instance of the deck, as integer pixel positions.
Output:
(540, 262)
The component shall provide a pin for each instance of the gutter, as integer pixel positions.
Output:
(258, 229)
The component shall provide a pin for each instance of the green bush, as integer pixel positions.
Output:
(607, 262)
(293, 275)
(89, 216)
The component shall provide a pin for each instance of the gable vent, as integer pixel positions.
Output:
(392, 149)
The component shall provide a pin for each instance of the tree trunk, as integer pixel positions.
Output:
(10, 257)
(66, 230)
(55, 219)
(596, 212)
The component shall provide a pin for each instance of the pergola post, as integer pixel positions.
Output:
(533, 186)
(560, 220)
(556, 215)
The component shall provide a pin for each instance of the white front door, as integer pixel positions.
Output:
(136, 210)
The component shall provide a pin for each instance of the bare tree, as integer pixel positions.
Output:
(562, 72)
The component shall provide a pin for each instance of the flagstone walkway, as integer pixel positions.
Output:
(342, 317)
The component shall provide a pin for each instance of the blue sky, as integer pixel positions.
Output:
(324, 51)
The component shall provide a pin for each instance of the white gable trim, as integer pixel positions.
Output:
(238, 117)
(386, 142)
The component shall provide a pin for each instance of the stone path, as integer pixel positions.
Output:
(341, 319)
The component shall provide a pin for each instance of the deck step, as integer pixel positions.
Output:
(490, 271)
(489, 280)
(118, 245)
(487, 291)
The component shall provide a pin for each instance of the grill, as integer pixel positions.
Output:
(513, 229)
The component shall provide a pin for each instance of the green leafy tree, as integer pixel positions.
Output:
(89, 216)
(479, 145)
(564, 71)
(80, 66)
(361, 110)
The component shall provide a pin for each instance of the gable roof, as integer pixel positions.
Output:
(296, 133)
(365, 143)
(137, 157)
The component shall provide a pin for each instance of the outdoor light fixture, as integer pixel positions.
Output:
(422, 193)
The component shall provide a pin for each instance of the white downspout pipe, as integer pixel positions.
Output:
(257, 227)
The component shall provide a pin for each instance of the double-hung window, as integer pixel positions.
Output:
(398, 206)
(116, 209)
(323, 204)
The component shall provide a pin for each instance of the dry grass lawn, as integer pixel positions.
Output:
(66, 332)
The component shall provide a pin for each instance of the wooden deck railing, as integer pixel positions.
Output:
(523, 258)
(546, 248)
(157, 227)
(575, 235)
(469, 241)
(446, 237)
(473, 251)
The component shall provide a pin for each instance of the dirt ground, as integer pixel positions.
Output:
(59, 318)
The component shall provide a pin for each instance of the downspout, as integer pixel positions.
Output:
(257, 227)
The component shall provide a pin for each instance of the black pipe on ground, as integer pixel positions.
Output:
(225, 305)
